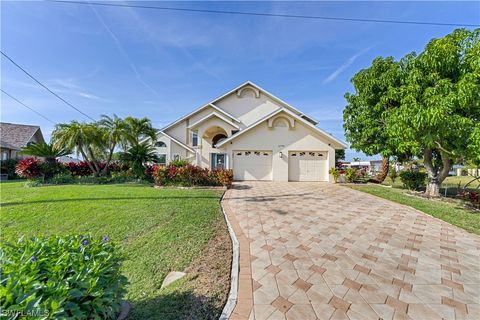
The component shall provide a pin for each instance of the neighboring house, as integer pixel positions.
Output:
(371, 166)
(254, 133)
(15, 136)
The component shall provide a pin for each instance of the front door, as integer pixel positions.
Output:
(217, 160)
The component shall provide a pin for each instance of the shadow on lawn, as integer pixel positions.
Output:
(6, 204)
(176, 306)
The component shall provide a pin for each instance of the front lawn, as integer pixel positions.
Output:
(160, 230)
(452, 213)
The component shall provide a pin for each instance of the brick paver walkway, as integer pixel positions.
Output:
(322, 251)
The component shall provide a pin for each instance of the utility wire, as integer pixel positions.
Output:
(23, 104)
(46, 88)
(266, 14)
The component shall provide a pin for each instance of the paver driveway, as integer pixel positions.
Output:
(322, 251)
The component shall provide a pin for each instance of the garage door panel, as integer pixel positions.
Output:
(252, 165)
(307, 166)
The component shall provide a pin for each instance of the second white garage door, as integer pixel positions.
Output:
(252, 165)
(307, 166)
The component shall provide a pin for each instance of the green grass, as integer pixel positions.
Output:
(160, 229)
(449, 182)
(450, 212)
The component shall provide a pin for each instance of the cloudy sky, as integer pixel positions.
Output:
(163, 64)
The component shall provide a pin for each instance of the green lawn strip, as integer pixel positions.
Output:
(450, 212)
(160, 230)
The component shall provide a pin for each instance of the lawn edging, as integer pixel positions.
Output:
(233, 294)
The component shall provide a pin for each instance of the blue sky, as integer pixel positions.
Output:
(163, 64)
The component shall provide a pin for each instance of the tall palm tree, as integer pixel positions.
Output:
(139, 128)
(87, 139)
(45, 150)
(138, 155)
(116, 133)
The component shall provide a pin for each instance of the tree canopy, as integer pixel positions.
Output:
(426, 105)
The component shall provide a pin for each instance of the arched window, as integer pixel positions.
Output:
(160, 144)
(281, 123)
(219, 137)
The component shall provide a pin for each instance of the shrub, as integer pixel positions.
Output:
(8, 167)
(62, 179)
(70, 277)
(393, 174)
(29, 168)
(79, 169)
(179, 163)
(413, 179)
(225, 177)
(33, 183)
(335, 173)
(350, 174)
(190, 175)
(472, 196)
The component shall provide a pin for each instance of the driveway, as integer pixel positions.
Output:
(322, 251)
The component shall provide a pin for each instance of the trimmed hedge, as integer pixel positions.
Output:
(69, 277)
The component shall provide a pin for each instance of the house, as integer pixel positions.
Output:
(254, 133)
(371, 166)
(15, 136)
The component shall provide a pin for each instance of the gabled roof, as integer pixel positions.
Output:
(247, 83)
(15, 136)
(176, 141)
(274, 113)
(214, 114)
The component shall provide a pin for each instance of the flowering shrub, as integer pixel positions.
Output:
(8, 167)
(335, 173)
(190, 175)
(29, 168)
(70, 277)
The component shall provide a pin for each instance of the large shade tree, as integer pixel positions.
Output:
(439, 113)
(364, 121)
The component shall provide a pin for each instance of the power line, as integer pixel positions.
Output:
(46, 88)
(23, 104)
(266, 14)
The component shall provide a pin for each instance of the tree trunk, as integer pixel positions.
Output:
(109, 159)
(86, 159)
(383, 172)
(436, 173)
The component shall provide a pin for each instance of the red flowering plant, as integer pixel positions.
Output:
(29, 168)
(472, 196)
(190, 175)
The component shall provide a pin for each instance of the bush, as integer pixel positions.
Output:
(62, 179)
(412, 179)
(70, 277)
(8, 167)
(29, 168)
(335, 173)
(393, 174)
(350, 174)
(190, 175)
(33, 183)
(179, 163)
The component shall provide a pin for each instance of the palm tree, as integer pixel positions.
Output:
(116, 133)
(45, 150)
(139, 128)
(87, 139)
(138, 155)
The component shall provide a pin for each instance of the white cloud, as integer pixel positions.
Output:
(345, 65)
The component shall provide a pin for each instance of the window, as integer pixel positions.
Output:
(218, 160)
(160, 144)
(194, 138)
(234, 131)
(162, 159)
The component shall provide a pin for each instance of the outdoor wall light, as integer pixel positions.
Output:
(280, 154)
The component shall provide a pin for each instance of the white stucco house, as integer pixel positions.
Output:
(254, 133)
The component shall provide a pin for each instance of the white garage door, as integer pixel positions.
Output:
(307, 166)
(252, 165)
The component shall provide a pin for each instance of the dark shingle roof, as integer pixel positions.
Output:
(15, 136)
